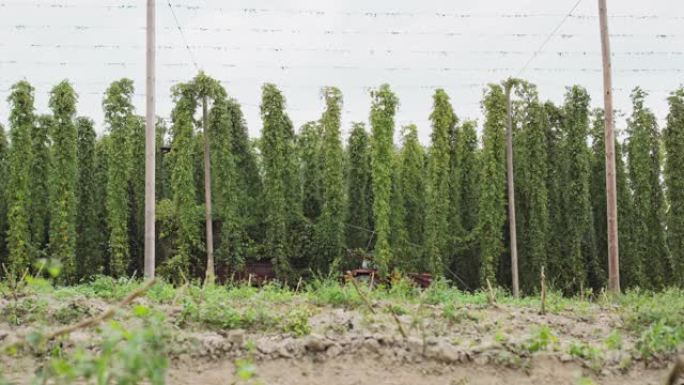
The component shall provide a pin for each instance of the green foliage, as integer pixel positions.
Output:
(614, 340)
(224, 186)
(328, 292)
(309, 148)
(40, 183)
(183, 190)
(656, 319)
(297, 322)
(3, 187)
(245, 369)
(18, 187)
(555, 186)
(101, 176)
(136, 192)
(281, 183)
(631, 268)
(585, 381)
(124, 356)
(492, 215)
(70, 313)
(24, 311)
(437, 217)
(580, 263)
(644, 309)
(644, 164)
(63, 180)
(542, 339)
(359, 189)
(465, 204)
(398, 232)
(457, 233)
(412, 180)
(673, 137)
(531, 162)
(330, 225)
(87, 244)
(163, 176)
(660, 338)
(249, 184)
(118, 109)
(383, 107)
(444, 211)
(218, 315)
(587, 352)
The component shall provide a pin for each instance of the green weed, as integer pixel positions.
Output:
(70, 313)
(587, 352)
(542, 339)
(614, 340)
(328, 292)
(297, 322)
(660, 338)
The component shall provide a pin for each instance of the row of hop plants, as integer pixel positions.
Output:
(309, 204)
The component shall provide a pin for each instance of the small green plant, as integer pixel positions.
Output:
(70, 313)
(500, 337)
(245, 368)
(585, 381)
(542, 339)
(508, 359)
(456, 316)
(614, 340)
(297, 322)
(585, 351)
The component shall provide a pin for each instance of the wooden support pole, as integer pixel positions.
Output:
(511, 190)
(611, 194)
(207, 195)
(150, 136)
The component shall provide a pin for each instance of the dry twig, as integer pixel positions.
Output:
(363, 297)
(398, 322)
(491, 294)
(543, 292)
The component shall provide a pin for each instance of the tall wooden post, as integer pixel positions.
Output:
(150, 134)
(611, 195)
(207, 195)
(511, 189)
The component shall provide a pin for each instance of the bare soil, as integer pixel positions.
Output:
(374, 370)
(476, 344)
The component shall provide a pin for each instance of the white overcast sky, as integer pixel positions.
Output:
(302, 45)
